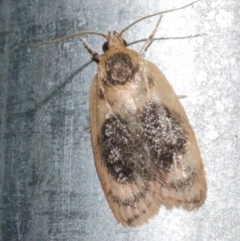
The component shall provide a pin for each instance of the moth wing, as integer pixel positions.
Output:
(131, 204)
(184, 184)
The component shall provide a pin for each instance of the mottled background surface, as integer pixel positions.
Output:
(49, 189)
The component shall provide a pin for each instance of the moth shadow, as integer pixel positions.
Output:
(56, 91)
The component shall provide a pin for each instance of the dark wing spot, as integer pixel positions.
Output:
(150, 81)
(164, 134)
(100, 94)
(122, 151)
(119, 69)
(130, 220)
(115, 141)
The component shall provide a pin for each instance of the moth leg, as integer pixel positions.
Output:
(87, 128)
(94, 54)
(181, 96)
(150, 38)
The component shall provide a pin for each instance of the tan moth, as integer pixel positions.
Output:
(145, 150)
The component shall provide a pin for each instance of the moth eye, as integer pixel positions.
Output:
(105, 47)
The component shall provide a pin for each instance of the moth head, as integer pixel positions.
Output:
(114, 41)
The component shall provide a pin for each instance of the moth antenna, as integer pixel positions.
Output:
(152, 15)
(94, 54)
(150, 38)
(58, 40)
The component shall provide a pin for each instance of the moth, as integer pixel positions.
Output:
(145, 150)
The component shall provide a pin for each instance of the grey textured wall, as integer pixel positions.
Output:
(49, 189)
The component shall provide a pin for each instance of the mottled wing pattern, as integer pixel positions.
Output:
(145, 150)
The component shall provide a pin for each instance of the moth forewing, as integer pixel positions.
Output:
(190, 171)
